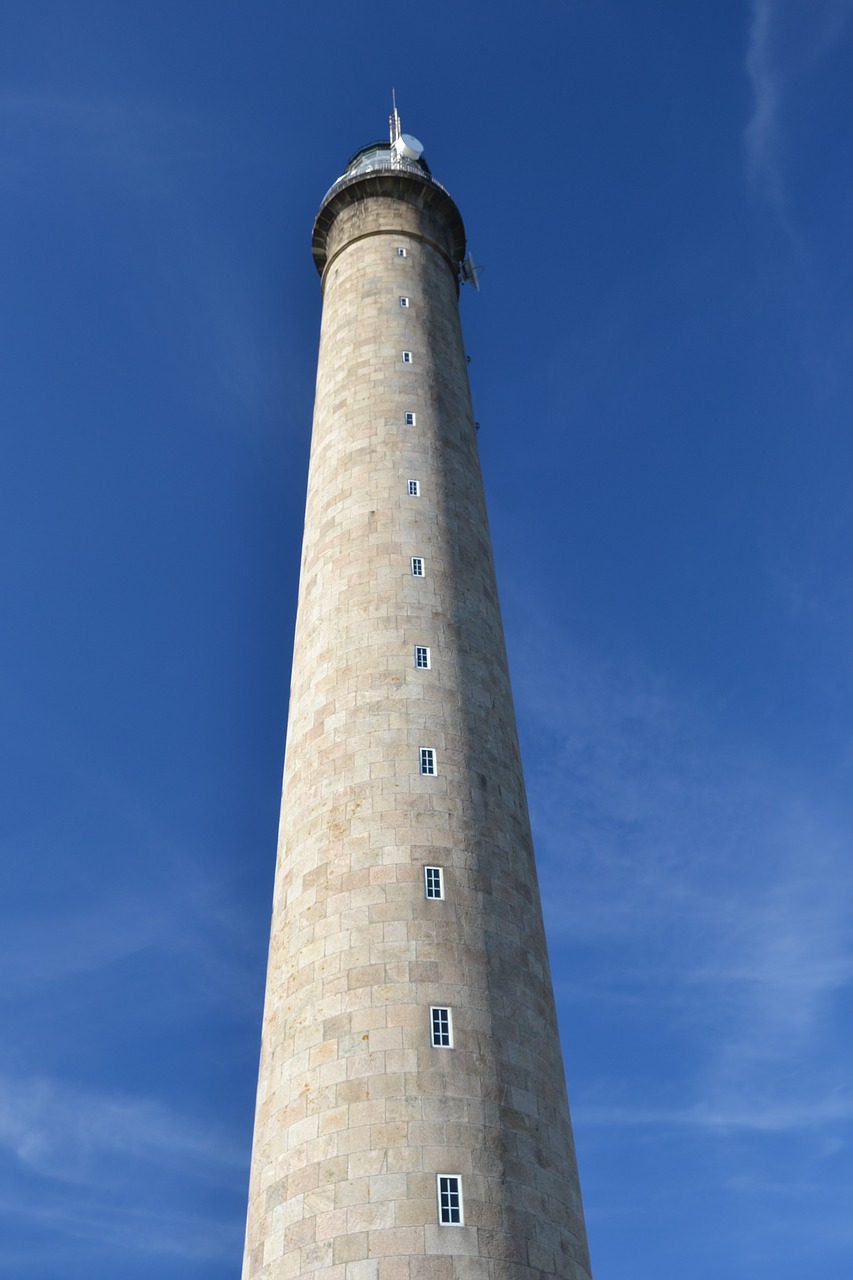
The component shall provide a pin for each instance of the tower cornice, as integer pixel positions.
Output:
(416, 189)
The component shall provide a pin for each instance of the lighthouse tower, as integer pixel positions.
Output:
(412, 1121)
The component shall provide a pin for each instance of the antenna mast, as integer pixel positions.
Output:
(394, 126)
(404, 148)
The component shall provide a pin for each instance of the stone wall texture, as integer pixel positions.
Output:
(357, 1112)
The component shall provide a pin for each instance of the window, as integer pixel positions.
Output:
(409, 419)
(407, 357)
(401, 252)
(449, 1199)
(404, 301)
(414, 488)
(428, 760)
(417, 567)
(422, 656)
(433, 882)
(440, 1028)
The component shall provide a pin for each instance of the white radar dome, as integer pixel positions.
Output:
(408, 147)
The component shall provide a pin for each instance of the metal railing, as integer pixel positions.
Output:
(391, 165)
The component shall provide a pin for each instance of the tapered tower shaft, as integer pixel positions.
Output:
(412, 1121)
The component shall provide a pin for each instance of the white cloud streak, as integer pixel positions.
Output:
(761, 134)
(827, 1111)
(785, 41)
(70, 1135)
(712, 888)
(89, 1174)
(72, 1227)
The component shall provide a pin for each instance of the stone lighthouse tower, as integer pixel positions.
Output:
(412, 1121)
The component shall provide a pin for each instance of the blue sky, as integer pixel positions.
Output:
(662, 196)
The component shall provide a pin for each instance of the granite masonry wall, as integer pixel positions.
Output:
(358, 1112)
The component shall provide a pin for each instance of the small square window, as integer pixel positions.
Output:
(439, 1021)
(417, 567)
(433, 882)
(449, 1200)
(404, 301)
(414, 488)
(401, 252)
(409, 419)
(428, 761)
(422, 656)
(407, 357)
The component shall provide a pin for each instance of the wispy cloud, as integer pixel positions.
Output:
(711, 886)
(785, 40)
(162, 896)
(70, 1135)
(180, 908)
(771, 1118)
(106, 944)
(761, 135)
(72, 1227)
(87, 1174)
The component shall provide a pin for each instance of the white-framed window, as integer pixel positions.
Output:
(404, 301)
(439, 1028)
(427, 759)
(409, 419)
(449, 1190)
(401, 252)
(422, 656)
(414, 488)
(417, 567)
(433, 882)
(407, 357)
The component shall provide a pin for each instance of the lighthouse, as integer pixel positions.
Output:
(412, 1120)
